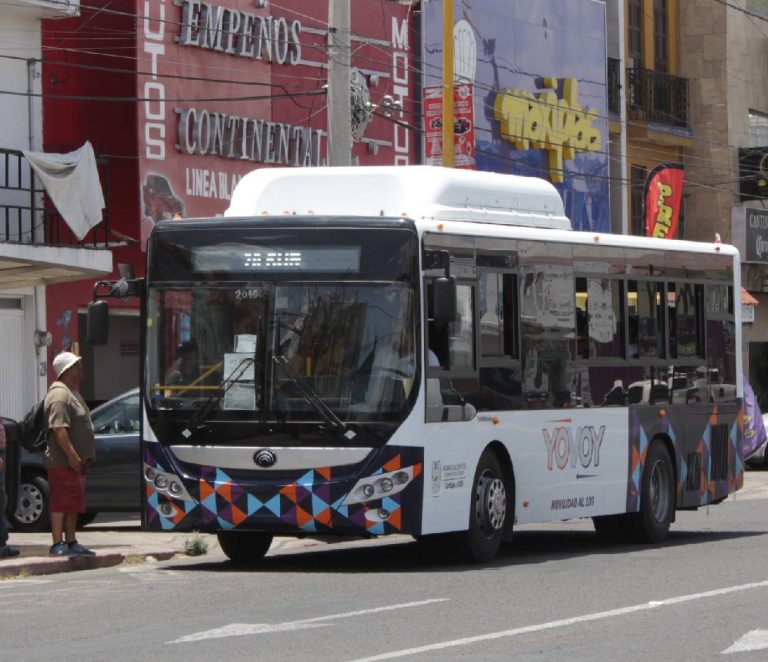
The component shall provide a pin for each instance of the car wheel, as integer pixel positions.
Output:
(244, 547)
(31, 512)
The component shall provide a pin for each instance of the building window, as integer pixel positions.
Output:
(660, 36)
(639, 174)
(635, 32)
(758, 129)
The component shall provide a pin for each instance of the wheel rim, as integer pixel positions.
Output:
(490, 504)
(659, 492)
(30, 506)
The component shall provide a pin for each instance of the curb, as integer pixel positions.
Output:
(42, 565)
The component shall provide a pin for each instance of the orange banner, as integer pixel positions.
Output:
(662, 198)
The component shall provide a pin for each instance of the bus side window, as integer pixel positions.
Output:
(672, 311)
(437, 336)
(499, 373)
(498, 314)
(582, 319)
(461, 333)
(633, 349)
(645, 302)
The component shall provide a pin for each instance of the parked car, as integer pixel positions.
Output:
(760, 456)
(113, 483)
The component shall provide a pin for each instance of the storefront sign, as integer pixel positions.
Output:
(249, 139)
(757, 235)
(747, 313)
(240, 33)
(227, 86)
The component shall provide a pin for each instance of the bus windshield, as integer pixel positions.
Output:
(283, 350)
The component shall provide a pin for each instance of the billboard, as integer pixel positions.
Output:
(538, 71)
(463, 126)
(232, 85)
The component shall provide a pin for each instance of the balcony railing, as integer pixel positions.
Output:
(653, 96)
(614, 86)
(27, 216)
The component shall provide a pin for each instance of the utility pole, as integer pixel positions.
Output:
(339, 88)
(448, 151)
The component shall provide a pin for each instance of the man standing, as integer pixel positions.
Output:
(6, 551)
(71, 449)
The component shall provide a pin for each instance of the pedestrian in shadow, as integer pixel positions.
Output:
(6, 551)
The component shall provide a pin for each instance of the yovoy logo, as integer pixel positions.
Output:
(573, 446)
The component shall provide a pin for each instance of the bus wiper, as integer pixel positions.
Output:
(309, 394)
(213, 400)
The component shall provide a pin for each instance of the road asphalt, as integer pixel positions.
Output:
(117, 538)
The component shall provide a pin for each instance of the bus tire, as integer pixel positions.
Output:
(244, 547)
(657, 496)
(489, 509)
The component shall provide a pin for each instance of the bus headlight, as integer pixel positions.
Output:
(166, 483)
(377, 486)
(402, 477)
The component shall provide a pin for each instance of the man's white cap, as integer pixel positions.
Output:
(64, 361)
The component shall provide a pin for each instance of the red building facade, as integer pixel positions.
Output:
(180, 100)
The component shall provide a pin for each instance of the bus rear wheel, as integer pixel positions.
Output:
(657, 496)
(244, 547)
(489, 510)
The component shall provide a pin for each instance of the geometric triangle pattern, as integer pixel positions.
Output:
(309, 501)
(705, 439)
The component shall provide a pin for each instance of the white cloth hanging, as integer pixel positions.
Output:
(72, 182)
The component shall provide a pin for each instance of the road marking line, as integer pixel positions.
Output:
(565, 622)
(240, 629)
(754, 640)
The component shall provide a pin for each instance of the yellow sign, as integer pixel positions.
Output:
(664, 215)
(542, 121)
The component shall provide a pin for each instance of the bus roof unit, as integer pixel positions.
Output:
(417, 192)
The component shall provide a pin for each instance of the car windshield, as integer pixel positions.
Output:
(294, 351)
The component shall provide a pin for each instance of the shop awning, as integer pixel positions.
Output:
(747, 299)
(26, 265)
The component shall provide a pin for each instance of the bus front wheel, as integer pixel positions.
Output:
(657, 496)
(244, 547)
(490, 509)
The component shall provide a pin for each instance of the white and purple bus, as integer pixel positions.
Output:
(433, 352)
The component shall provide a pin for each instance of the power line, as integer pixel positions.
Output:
(97, 10)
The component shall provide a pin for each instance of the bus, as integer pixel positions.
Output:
(433, 352)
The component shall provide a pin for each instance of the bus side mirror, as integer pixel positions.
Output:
(444, 307)
(97, 328)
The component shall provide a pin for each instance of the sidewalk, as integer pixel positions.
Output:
(116, 542)
(112, 547)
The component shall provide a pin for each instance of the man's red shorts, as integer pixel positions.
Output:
(67, 490)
